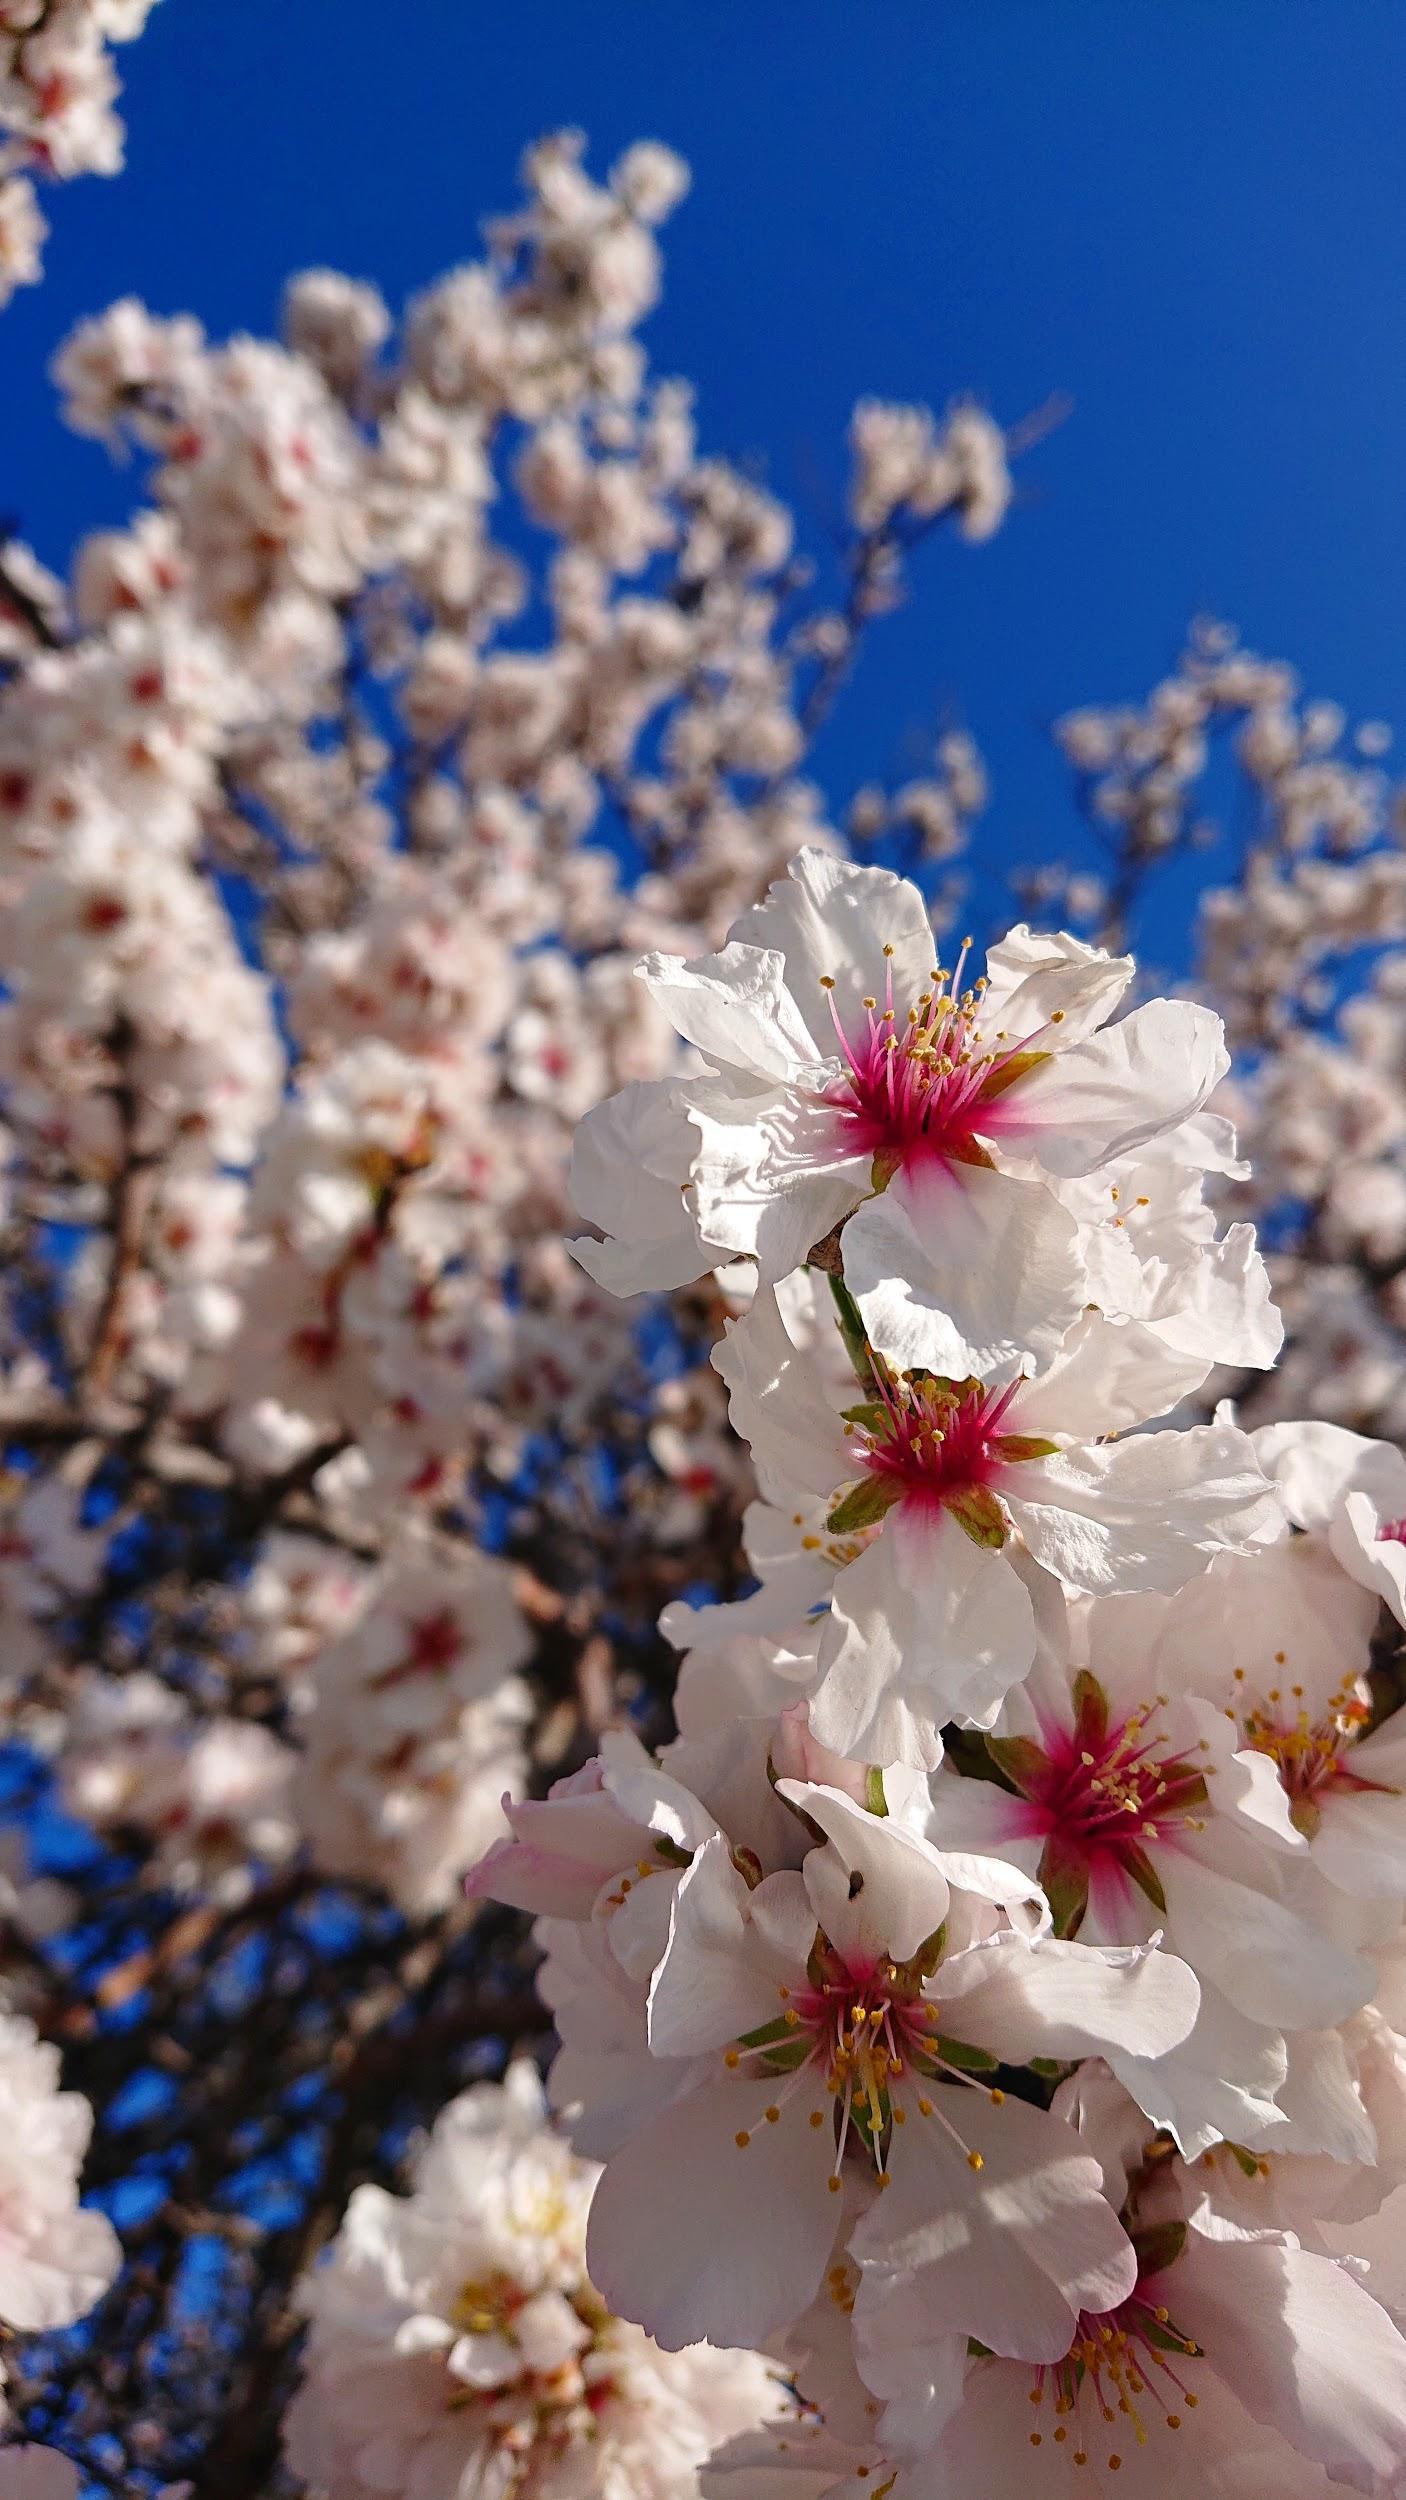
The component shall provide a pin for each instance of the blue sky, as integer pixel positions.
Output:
(1187, 216)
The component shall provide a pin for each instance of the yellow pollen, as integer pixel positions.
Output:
(771, 2115)
(976, 2161)
(742, 2139)
(833, 2184)
(817, 2117)
(733, 2058)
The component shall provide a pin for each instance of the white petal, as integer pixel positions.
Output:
(958, 1269)
(1147, 1513)
(926, 1626)
(1059, 1999)
(724, 1966)
(697, 2237)
(629, 1160)
(779, 1404)
(1305, 2348)
(832, 920)
(876, 1888)
(1108, 1094)
(1009, 2253)
(1033, 976)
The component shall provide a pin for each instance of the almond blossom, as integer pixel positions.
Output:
(456, 2339)
(940, 1495)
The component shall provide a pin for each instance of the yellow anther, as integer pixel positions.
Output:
(742, 2139)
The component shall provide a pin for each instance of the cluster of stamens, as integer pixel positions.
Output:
(1128, 1789)
(540, 2408)
(869, 2041)
(920, 1085)
(1099, 1794)
(1312, 1753)
(1120, 2366)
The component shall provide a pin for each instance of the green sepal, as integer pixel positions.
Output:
(872, 1414)
(1049, 2069)
(1090, 1712)
(670, 1851)
(979, 1515)
(961, 2054)
(875, 1802)
(1065, 1880)
(1020, 1762)
(767, 2034)
(924, 1962)
(785, 2060)
(1144, 1874)
(883, 1168)
(853, 1331)
(863, 1506)
(1159, 2247)
(1011, 1071)
(1017, 1447)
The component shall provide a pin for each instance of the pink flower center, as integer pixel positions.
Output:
(1100, 1795)
(933, 1440)
(921, 1089)
(1392, 1532)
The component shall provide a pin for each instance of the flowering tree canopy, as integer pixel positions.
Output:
(628, 1456)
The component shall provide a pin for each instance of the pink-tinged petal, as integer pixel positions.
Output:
(876, 1889)
(1058, 1999)
(1360, 1843)
(1305, 2348)
(699, 2238)
(1009, 2252)
(1270, 1962)
(1219, 2085)
(729, 1951)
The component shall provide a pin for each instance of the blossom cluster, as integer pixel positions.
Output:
(987, 2003)
(311, 962)
(58, 92)
(457, 2343)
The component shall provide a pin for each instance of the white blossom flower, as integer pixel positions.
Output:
(56, 2257)
(456, 2340)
